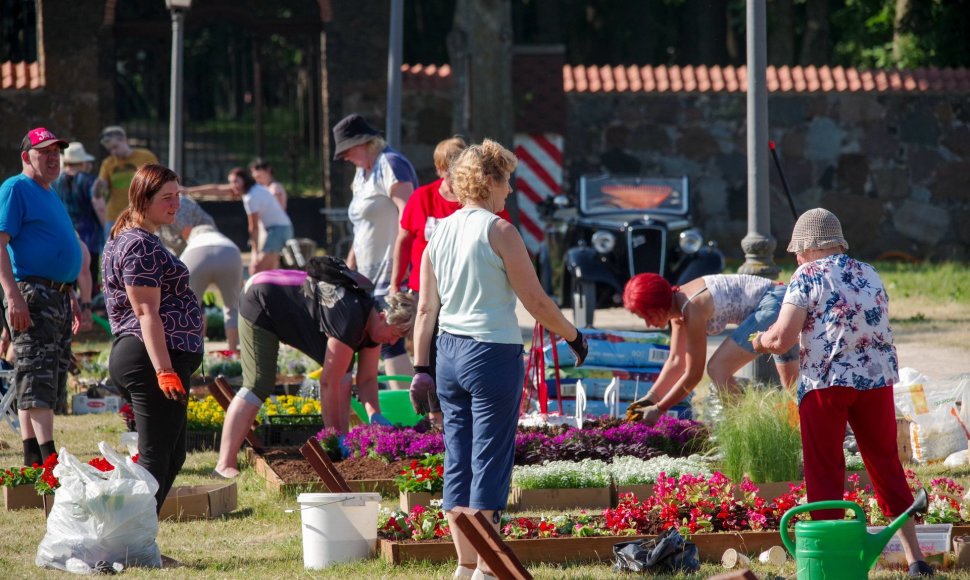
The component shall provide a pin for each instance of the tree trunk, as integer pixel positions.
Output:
(901, 39)
(480, 50)
(815, 40)
(781, 35)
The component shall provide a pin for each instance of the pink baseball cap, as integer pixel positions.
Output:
(41, 137)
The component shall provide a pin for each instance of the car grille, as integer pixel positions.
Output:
(647, 248)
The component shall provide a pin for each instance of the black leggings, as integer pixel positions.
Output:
(160, 421)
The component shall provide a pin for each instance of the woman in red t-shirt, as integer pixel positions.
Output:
(428, 205)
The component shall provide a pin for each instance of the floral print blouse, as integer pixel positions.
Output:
(846, 340)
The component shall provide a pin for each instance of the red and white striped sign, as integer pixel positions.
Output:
(538, 176)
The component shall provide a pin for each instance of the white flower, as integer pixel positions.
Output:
(562, 475)
(635, 471)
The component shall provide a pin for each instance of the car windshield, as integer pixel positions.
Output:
(611, 194)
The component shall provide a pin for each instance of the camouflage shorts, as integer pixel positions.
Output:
(44, 349)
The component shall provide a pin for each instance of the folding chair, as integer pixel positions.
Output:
(7, 411)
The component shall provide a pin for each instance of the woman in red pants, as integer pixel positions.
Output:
(837, 309)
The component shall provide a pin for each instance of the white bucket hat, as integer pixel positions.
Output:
(817, 229)
(75, 153)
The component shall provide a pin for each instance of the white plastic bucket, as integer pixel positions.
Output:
(338, 527)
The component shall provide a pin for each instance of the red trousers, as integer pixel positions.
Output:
(824, 413)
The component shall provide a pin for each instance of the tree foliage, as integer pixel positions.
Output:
(857, 33)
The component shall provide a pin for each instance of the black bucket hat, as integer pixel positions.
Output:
(351, 131)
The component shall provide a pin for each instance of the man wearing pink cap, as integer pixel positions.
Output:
(40, 259)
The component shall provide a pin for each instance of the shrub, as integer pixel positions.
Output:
(758, 437)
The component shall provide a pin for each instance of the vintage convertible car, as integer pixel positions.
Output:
(618, 227)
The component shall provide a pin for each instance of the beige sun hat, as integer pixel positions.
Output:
(817, 229)
(75, 153)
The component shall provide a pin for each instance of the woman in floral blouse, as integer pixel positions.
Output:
(837, 310)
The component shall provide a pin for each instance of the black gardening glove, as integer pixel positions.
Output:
(424, 396)
(580, 347)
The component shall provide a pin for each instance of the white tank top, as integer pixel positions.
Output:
(735, 297)
(476, 297)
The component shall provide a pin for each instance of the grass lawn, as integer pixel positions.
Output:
(258, 540)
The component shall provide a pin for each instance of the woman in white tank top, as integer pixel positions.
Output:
(474, 268)
(705, 306)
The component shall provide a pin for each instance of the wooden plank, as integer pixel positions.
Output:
(222, 392)
(324, 468)
(503, 562)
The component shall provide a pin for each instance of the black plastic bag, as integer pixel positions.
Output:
(669, 552)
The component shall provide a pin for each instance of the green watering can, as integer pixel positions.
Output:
(839, 549)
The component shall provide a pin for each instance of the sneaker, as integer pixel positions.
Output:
(920, 568)
(462, 572)
(479, 575)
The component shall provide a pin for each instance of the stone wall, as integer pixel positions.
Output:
(893, 167)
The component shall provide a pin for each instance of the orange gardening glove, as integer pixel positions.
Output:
(171, 385)
(634, 413)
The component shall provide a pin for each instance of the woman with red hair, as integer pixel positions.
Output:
(705, 306)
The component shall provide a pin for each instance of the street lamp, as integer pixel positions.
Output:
(178, 9)
(759, 244)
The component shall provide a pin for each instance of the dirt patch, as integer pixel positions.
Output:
(292, 467)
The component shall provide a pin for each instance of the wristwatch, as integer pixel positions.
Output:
(85, 306)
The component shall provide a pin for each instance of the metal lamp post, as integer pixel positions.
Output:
(758, 245)
(394, 50)
(178, 9)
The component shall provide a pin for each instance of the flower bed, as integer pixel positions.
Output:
(421, 481)
(600, 440)
(22, 496)
(706, 509)
(287, 420)
(422, 534)
(560, 485)
(286, 471)
(574, 549)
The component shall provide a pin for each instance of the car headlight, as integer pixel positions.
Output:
(603, 241)
(691, 241)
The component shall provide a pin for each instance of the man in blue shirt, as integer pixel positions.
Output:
(40, 259)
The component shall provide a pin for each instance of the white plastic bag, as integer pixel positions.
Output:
(101, 516)
(939, 410)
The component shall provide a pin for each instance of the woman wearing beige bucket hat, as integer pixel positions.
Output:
(75, 186)
(837, 309)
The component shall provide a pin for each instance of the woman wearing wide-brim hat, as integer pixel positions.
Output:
(836, 308)
(383, 183)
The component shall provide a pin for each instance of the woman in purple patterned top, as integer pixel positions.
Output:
(157, 322)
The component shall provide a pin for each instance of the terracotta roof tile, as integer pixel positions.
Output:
(20, 76)
(662, 79)
(634, 79)
(703, 79)
(717, 79)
